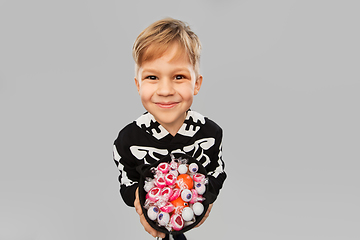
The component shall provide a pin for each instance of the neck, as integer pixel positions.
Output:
(173, 128)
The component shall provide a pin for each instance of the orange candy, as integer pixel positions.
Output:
(184, 181)
(179, 205)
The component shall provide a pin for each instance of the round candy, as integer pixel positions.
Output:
(179, 204)
(177, 222)
(193, 167)
(154, 194)
(149, 185)
(160, 182)
(198, 208)
(187, 214)
(186, 195)
(198, 177)
(200, 188)
(174, 172)
(184, 181)
(194, 198)
(182, 169)
(166, 192)
(164, 167)
(174, 168)
(168, 207)
(170, 179)
(200, 198)
(163, 218)
(153, 213)
(173, 165)
(175, 194)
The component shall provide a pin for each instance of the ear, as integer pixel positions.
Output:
(198, 83)
(137, 83)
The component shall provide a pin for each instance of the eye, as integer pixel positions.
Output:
(178, 77)
(151, 77)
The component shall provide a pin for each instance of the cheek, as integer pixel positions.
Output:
(186, 92)
(146, 92)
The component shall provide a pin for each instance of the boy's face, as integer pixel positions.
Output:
(167, 86)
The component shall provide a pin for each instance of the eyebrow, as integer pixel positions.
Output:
(155, 71)
(151, 70)
(182, 69)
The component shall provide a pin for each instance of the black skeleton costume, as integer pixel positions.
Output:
(145, 141)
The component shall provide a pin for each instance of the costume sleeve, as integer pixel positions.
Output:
(128, 177)
(215, 169)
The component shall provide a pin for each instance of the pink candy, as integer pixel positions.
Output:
(154, 194)
(166, 192)
(160, 181)
(198, 177)
(163, 192)
(176, 193)
(177, 222)
(168, 207)
(170, 179)
(194, 198)
(164, 167)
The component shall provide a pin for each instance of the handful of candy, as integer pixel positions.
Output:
(174, 195)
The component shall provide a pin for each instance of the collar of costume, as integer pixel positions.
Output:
(189, 128)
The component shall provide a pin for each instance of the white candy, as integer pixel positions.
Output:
(163, 218)
(174, 172)
(187, 214)
(173, 168)
(193, 168)
(198, 208)
(200, 188)
(186, 195)
(182, 169)
(153, 213)
(149, 185)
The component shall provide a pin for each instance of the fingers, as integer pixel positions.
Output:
(201, 222)
(149, 229)
(137, 203)
(209, 210)
(161, 235)
(205, 216)
(143, 221)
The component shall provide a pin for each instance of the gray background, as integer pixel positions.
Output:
(280, 77)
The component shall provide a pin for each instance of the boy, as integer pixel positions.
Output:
(167, 55)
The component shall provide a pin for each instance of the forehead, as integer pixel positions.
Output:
(171, 53)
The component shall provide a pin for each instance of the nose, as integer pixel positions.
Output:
(165, 88)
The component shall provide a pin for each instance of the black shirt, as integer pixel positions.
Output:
(146, 141)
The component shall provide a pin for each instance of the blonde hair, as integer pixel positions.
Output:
(154, 40)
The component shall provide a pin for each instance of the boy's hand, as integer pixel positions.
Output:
(143, 221)
(206, 215)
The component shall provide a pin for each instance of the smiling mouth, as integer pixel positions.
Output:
(167, 105)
